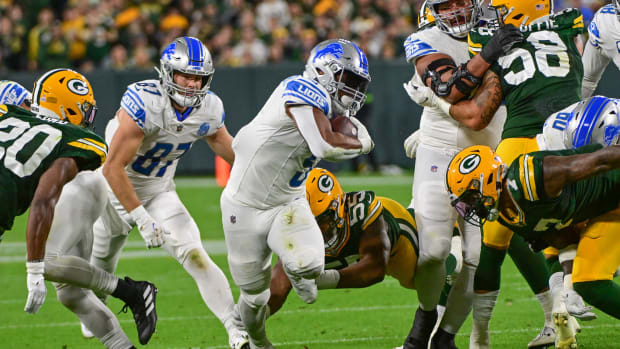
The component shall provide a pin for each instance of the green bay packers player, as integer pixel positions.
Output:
(366, 237)
(40, 153)
(544, 196)
(536, 78)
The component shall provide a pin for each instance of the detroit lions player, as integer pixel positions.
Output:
(603, 46)
(263, 206)
(436, 53)
(13, 93)
(157, 123)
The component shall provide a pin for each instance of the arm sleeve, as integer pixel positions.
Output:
(304, 118)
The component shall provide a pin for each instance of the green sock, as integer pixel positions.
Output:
(553, 264)
(489, 269)
(531, 265)
(603, 294)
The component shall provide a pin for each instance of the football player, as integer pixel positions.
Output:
(603, 46)
(158, 121)
(55, 149)
(545, 196)
(535, 79)
(440, 59)
(263, 205)
(366, 237)
(13, 93)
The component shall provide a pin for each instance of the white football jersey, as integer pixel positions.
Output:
(604, 33)
(552, 137)
(272, 159)
(168, 134)
(437, 128)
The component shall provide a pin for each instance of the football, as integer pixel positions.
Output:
(344, 125)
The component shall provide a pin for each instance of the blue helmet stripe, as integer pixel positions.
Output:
(194, 51)
(588, 121)
(363, 60)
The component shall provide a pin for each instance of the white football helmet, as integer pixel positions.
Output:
(594, 120)
(186, 55)
(342, 68)
(457, 23)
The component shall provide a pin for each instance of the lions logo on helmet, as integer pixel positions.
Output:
(327, 202)
(342, 68)
(66, 95)
(594, 121)
(474, 181)
(522, 12)
(190, 56)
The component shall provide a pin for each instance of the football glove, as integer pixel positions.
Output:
(36, 287)
(501, 42)
(151, 231)
(363, 136)
(411, 144)
(424, 96)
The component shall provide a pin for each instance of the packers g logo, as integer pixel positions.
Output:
(469, 163)
(325, 183)
(78, 87)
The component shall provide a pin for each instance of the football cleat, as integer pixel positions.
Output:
(576, 307)
(86, 332)
(567, 329)
(266, 346)
(143, 309)
(420, 333)
(545, 338)
(238, 339)
(443, 340)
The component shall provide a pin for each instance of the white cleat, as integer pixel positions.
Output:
(238, 339)
(576, 307)
(545, 338)
(567, 329)
(86, 332)
(266, 346)
(306, 289)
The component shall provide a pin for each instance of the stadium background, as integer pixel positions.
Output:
(255, 44)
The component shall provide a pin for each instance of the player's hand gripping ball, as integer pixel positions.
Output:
(344, 125)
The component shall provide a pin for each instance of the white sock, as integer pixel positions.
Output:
(460, 300)
(483, 305)
(212, 284)
(546, 302)
(556, 285)
(568, 281)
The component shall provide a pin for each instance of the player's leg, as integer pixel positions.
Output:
(573, 301)
(279, 288)
(435, 220)
(598, 258)
(184, 244)
(249, 260)
(296, 238)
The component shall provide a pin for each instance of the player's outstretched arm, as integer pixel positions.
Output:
(46, 196)
(279, 288)
(374, 255)
(559, 171)
(477, 113)
(221, 144)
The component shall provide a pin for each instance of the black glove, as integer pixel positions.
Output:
(502, 41)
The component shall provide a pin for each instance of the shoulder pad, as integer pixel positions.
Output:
(416, 46)
(138, 96)
(301, 91)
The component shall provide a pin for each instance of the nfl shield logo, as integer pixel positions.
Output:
(233, 219)
(179, 128)
(433, 168)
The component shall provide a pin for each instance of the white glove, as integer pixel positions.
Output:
(36, 287)
(423, 95)
(151, 231)
(363, 136)
(411, 144)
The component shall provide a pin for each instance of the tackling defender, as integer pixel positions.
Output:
(263, 204)
(439, 55)
(45, 154)
(602, 47)
(158, 121)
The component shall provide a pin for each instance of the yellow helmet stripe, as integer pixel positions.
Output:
(375, 210)
(80, 143)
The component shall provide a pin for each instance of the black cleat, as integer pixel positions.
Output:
(420, 333)
(143, 308)
(443, 340)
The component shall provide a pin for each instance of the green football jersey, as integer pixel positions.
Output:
(578, 201)
(539, 76)
(29, 144)
(362, 209)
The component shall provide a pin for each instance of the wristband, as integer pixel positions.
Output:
(35, 267)
(443, 105)
(328, 279)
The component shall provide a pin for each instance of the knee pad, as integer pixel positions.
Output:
(306, 263)
(255, 300)
(434, 250)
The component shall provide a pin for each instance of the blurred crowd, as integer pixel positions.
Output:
(129, 34)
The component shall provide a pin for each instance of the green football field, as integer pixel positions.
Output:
(375, 317)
